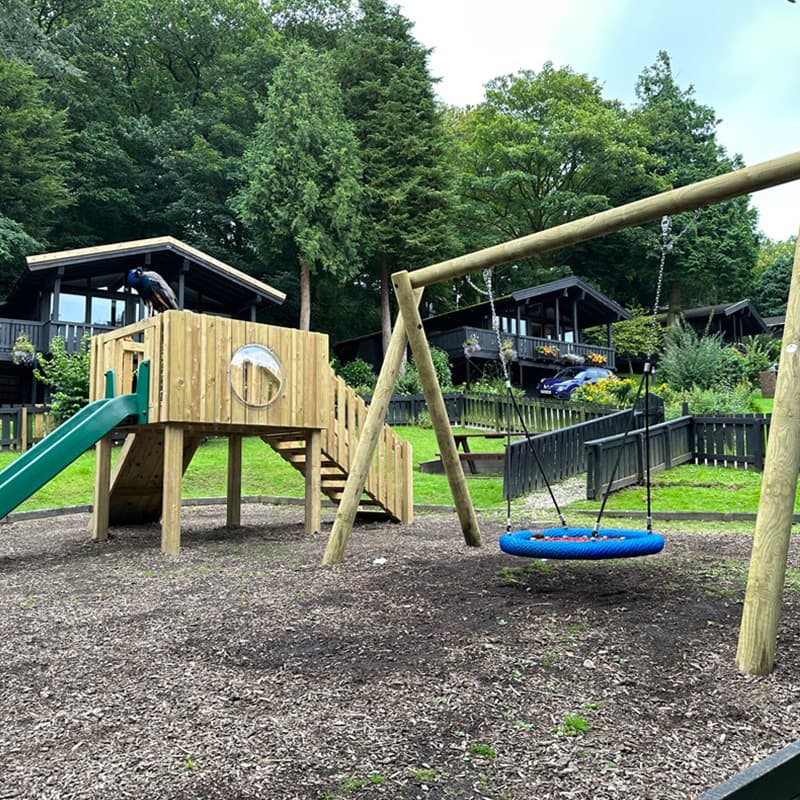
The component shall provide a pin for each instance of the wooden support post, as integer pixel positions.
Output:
(23, 437)
(762, 604)
(313, 482)
(367, 442)
(233, 498)
(98, 524)
(171, 496)
(436, 408)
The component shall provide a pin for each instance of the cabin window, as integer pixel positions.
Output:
(71, 308)
(108, 312)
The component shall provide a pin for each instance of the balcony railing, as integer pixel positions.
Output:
(527, 347)
(42, 333)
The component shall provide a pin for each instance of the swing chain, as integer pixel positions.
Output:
(487, 278)
(667, 243)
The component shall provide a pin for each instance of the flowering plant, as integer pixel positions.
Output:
(547, 350)
(595, 358)
(471, 345)
(572, 358)
(24, 353)
(507, 350)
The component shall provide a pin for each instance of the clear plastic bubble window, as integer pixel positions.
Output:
(256, 375)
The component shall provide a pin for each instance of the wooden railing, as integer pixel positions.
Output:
(491, 411)
(561, 453)
(390, 480)
(42, 333)
(526, 347)
(23, 426)
(714, 440)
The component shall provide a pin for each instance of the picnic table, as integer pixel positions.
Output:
(468, 457)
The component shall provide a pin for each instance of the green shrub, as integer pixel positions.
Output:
(607, 392)
(689, 360)
(408, 380)
(737, 400)
(359, 375)
(760, 352)
(67, 375)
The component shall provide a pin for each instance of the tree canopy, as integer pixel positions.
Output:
(301, 141)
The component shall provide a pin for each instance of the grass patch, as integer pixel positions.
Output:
(690, 488)
(264, 472)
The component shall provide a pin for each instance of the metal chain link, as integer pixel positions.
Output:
(487, 278)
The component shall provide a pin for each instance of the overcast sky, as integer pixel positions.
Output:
(741, 56)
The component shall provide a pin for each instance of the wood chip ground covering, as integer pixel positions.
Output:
(419, 668)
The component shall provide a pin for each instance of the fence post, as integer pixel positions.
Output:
(758, 454)
(23, 434)
(592, 477)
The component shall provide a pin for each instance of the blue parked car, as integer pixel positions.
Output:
(567, 380)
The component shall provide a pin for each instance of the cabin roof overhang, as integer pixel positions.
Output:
(164, 254)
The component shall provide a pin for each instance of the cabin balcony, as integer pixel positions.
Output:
(42, 333)
(530, 350)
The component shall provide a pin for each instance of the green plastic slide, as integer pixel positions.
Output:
(32, 470)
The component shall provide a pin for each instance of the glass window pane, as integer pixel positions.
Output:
(71, 308)
(101, 311)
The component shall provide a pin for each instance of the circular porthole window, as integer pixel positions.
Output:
(256, 375)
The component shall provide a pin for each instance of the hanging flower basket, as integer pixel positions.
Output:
(596, 359)
(572, 359)
(471, 346)
(546, 352)
(507, 351)
(24, 353)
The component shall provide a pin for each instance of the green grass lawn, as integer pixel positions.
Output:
(263, 473)
(687, 488)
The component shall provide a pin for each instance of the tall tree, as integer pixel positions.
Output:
(302, 197)
(33, 144)
(771, 292)
(544, 148)
(389, 98)
(162, 110)
(714, 263)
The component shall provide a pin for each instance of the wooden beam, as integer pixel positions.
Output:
(687, 198)
(762, 605)
(98, 524)
(436, 408)
(367, 442)
(171, 502)
(313, 454)
(233, 497)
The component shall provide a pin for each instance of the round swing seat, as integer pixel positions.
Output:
(578, 543)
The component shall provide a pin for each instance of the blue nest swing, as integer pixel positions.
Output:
(581, 543)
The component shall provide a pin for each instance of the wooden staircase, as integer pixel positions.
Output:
(388, 489)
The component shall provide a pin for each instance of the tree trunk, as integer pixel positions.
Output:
(305, 297)
(386, 311)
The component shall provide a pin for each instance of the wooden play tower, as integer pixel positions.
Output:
(214, 376)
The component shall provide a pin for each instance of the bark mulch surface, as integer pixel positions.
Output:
(419, 668)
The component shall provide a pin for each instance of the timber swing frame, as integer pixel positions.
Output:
(761, 613)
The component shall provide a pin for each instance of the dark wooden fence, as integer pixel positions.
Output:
(492, 411)
(561, 453)
(23, 426)
(738, 441)
(777, 777)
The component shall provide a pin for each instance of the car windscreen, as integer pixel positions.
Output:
(569, 372)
